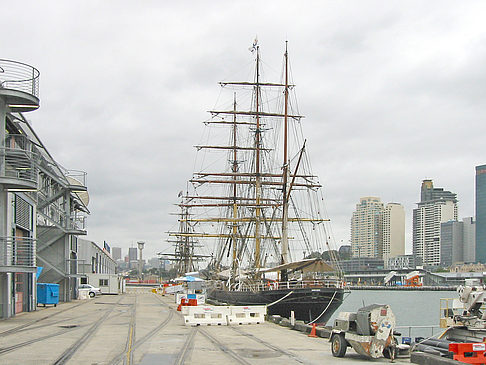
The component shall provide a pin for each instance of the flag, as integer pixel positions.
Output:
(106, 247)
(254, 45)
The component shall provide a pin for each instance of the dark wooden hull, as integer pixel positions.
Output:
(307, 303)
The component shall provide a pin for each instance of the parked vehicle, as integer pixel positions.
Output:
(369, 331)
(92, 291)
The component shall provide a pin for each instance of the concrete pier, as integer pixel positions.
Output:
(140, 327)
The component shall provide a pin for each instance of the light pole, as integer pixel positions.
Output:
(140, 261)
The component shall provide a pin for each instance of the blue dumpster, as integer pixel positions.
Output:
(47, 293)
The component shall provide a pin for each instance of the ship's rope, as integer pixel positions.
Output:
(269, 305)
(324, 311)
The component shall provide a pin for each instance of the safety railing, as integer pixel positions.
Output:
(17, 251)
(419, 331)
(77, 222)
(297, 284)
(18, 159)
(19, 76)
(78, 177)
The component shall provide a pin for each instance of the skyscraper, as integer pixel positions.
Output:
(366, 228)
(469, 239)
(132, 254)
(393, 231)
(451, 243)
(436, 206)
(481, 213)
(116, 253)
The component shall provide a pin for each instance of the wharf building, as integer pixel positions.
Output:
(481, 213)
(43, 206)
(377, 231)
(436, 206)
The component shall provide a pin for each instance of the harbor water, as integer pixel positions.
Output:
(416, 310)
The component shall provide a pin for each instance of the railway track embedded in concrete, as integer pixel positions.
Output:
(28, 324)
(66, 355)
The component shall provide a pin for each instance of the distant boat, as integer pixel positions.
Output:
(257, 203)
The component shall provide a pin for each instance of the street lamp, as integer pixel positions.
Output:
(140, 261)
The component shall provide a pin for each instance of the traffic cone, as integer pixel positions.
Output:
(313, 331)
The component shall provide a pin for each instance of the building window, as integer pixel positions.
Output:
(103, 282)
(84, 280)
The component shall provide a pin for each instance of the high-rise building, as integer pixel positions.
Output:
(469, 239)
(451, 243)
(366, 228)
(481, 213)
(377, 231)
(132, 254)
(436, 206)
(393, 231)
(457, 242)
(132, 258)
(116, 253)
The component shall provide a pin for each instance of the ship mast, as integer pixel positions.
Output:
(235, 193)
(285, 172)
(257, 164)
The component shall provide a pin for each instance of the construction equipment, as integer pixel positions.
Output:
(369, 331)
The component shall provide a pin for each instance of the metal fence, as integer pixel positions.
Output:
(19, 76)
(18, 160)
(17, 251)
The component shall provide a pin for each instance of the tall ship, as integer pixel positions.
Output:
(255, 206)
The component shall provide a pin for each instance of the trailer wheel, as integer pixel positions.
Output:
(338, 345)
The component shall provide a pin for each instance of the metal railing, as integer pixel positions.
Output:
(18, 160)
(19, 76)
(77, 222)
(17, 251)
(77, 175)
(420, 331)
(305, 284)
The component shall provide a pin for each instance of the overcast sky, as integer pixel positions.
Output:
(393, 92)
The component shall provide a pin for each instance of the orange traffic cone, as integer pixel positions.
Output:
(313, 331)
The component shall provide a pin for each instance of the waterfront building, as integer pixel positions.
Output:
(43, 205)
(366, 228)
(393, 231)
(400, 262)
(116, 253)
(92, 259)
(481, 213)
(361, 263)
(436, 206)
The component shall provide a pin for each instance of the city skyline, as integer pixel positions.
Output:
(392, 94)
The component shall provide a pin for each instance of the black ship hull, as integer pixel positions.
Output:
(308, 304)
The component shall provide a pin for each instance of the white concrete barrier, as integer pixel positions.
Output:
(254, 314)
(205, 315)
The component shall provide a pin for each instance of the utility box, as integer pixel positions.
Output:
(47, 293)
